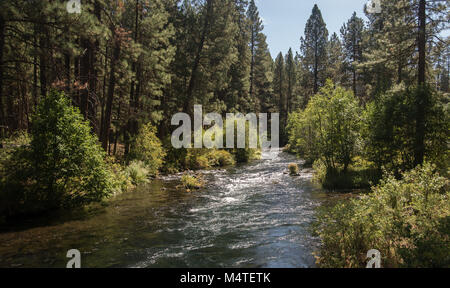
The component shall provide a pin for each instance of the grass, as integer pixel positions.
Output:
(138, 173)
(359, 176)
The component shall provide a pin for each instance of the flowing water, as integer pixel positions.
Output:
(254, 215)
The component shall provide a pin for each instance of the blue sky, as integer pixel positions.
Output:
(284, 20)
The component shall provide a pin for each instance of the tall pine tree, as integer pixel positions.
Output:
(314, 48)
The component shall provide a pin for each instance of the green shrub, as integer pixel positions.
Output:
(389, 131)
(147, 148)
(220, 158)
(197, 159)
(62, 167)
(122, 181)
(328, 128)
(360, 175)
(9, 146)
(175, 160)
(138, 173)
(192, 182)
(247, 154)
(293, 169)
(406, 220)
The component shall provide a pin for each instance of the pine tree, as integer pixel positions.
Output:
(256, 27)
(352, 38)
(237, 97)
(291, 78)
(314, 48)
(390, 46)
(335, 70)
(263, 98)
(279, 88)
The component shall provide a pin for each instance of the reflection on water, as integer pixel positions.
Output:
(253, 215)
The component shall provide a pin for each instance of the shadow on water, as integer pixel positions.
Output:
(253, 215)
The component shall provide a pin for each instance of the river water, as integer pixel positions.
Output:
(254, 215)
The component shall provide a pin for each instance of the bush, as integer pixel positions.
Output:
(197, 159)
(147, 148)
(220, 158)
(328, 129)
(122, 181)
(138, 173)
(407, 220)
(62, 167)
(175, 160)
(360, 175)
(390, 129)
(191, 182)
(9, 146)
(293, 169)
(247, 154)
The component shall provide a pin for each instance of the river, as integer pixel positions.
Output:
(248, 216)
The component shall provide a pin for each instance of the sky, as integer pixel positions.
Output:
(285, 20)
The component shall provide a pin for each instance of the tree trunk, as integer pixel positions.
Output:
(88, 76)
(110, 96)
(2, 45)
(316, 72)
(43, 64)
(188, 106)
(84, 77)
(133, 104)
(422, 94)
(35, 73)
(252, 64)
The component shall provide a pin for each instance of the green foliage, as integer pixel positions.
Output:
(406, 220)
(197, 159)
(148, 149)
(138, 172)
(328, 129)
(220, 158)
(9, 146)
(359, 175)
(352, 43)
(121, 181)
(314, 49)
(389, 129)
(192, 182)
(293, 169)
(62, 167)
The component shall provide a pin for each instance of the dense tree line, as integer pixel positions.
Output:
(402, 45)
(127, 63)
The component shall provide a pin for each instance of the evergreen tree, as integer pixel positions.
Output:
(256, 27)
(352, 38)
(279, 89)
(237, 98)
(335, 70)
(314, 48)
(263, 98)
(291, 79)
